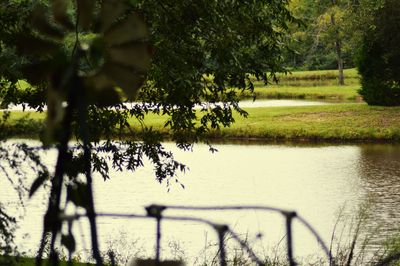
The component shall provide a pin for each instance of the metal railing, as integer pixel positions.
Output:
(157, 212)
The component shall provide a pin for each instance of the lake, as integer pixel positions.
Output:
(317, 181)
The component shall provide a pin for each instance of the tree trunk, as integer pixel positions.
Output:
(340, 61)
(338, 46)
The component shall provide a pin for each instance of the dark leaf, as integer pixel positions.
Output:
(85, 13)
(106, 98)
(59, 8)
(101, 91)
(77, 194)
(111, 10)
(68, 241)
(55, 113)
(32, 45)
(135, 55)
(132, 28)
(126, 78)
(37, 73)
(39, 21)
(39, 181)
(51, 221)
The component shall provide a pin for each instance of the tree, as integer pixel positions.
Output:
(379, 56)
(204, 53)
(324, 41)
(338, 41)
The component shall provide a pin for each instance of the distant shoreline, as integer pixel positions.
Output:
(341, 123)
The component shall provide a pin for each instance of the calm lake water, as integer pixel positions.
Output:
(314, 180)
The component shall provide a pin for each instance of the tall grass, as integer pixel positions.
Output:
(318, 75)
(318, 85)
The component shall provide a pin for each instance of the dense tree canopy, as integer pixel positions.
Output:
(331, 33)
(379, 56)
(205, 53)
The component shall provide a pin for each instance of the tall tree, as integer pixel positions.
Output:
(338, 42)
(323, 41)
(379, 56)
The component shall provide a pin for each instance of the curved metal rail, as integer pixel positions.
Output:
(157, 212)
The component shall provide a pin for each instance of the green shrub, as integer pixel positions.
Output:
(379, 57)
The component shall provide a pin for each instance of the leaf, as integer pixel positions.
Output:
(85, 13)
(39, 181)
(36, 73)
(39, 21)
(101, 90)
(106, 98)
(68, 241)
(59, 8)
(111, 10)
(126, 78)
(77, 194)
(136, 55)
(51, 220)
(55, 110)
(32, 45)
(132, 28)
(99, 82)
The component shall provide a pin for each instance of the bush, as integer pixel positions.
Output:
(379, 57)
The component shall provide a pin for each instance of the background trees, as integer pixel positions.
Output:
(321, 41)
(379, 56)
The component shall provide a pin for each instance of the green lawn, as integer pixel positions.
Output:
(337, 122)
(318, 84)
(343, 122)
(319, 74)
(326, 92)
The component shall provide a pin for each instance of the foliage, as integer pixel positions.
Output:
(314, 41)
(313, 45)
(202, 51)
(379, 57)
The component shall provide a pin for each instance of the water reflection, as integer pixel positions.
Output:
(379, 167)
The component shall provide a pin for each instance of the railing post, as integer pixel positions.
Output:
(289, 218)
(221, 230)
(156, 212)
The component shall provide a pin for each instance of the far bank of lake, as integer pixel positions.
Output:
(272, 120)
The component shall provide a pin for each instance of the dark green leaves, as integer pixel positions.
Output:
(39, 181)
(68, 241)
(35, 45)
(85, 13)
(112, 10)
(60, 13)
(77, 193)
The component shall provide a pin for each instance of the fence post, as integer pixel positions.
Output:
(289, 218)
(221, 230)
(156, 212)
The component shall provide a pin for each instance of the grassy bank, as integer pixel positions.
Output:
(335, 93)
(316, 85)
(350, 122)
(344, 122)
(318, 75)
